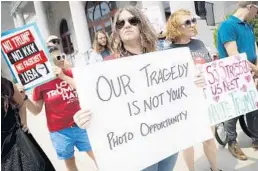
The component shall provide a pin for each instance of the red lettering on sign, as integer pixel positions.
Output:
(17, 41)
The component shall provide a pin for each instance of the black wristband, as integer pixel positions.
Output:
(25, 97)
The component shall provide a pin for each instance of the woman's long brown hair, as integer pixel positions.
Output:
(147, 32)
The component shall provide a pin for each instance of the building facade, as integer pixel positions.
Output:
(75, 22)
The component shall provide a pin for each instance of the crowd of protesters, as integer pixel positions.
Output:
(132, 34)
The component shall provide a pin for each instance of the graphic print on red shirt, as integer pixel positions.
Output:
(61, 102)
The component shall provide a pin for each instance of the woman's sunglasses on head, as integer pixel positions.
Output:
(62, 56)
(55, 42)
(189, 22)
(134, 21)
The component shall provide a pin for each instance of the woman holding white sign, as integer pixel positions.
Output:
(181, 27)
(133, 36)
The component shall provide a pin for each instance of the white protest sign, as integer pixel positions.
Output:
(230, 90)
(26, 55)
(144, 108)
(154, 15)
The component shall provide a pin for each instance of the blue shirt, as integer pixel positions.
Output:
(233, 29)
(105, 53)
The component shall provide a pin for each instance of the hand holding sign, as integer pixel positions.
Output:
(141, 106)
(231, 90)
(82, 118)
(21, 89)
(58, 72)
(200, 80)
(26, 56)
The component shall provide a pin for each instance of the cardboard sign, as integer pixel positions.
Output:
(230, 90)
(27, 56)
(144, 108)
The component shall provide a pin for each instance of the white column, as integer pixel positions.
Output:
(176, 5)
(15, 21)
(5, 71)
(80, 26)
(41, 18)
(20, 21)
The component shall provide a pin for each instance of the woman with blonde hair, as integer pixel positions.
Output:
(133, 36)
(181, 28)
(101, 47)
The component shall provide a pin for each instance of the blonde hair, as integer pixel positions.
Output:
(148, 36)
(114, 42)
(96, 46)
(173, 33)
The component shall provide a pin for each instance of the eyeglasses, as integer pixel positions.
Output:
(188, 22)
(59, 57)
(134, 21)
(55, 42)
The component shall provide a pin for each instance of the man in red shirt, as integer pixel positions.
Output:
(61, 104)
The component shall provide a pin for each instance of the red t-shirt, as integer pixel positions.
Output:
(61, 102)
(110, 57)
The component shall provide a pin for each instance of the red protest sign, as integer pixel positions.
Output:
(15, 42)
(30, 62)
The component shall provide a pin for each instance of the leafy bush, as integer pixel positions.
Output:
(254, 22)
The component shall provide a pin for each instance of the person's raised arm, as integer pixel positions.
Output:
(228, 37)
(34, 107)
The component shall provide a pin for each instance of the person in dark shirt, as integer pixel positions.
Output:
(133, 35)
(19, 150)
(181, 27)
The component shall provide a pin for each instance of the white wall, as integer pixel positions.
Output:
(121, 4)
(223, 8)
(7, 22)
(5, 71)
(61, 10)
(31, 18)
(219, 11)
(205, 34)
(176, 5)
(230, 6)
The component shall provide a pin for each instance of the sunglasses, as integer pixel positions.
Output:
(59, 57)
(55, 42)
(134, 21)
(188, 23)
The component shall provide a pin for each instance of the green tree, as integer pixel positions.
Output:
(254, 22)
